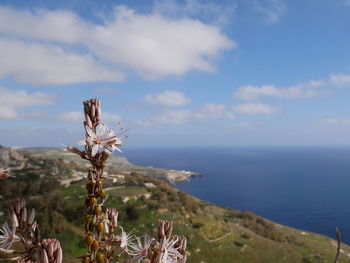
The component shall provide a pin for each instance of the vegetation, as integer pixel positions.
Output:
(216, 234)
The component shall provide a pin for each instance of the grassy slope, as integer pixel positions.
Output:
(216, 234)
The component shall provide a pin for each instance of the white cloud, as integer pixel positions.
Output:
(215, 111)
(7, 112)
(347, 2)
(335, 121)
(44, 64)
(256, 108)
(303, 90)
(152, 45)
(171, 117)
(272, 10)
(340, 79)
(56, 26)
(207, 11)
(155, 46)
(12, 101)
(72, 116)
(168, 98)
(252, 93)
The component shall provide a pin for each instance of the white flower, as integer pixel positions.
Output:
(8, 237)
(139, 250)
(102, 138)
(125, 240)
(169, 253)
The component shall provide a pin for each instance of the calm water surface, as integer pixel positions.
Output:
(306, 188)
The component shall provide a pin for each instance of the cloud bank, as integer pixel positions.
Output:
(168, 98)
(63, 48)
(13, 101)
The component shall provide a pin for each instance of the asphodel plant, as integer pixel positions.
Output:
(105, 238)
(24, 229)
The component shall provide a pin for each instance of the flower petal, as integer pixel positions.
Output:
(101, 130)
(90, 132)
(94, 150)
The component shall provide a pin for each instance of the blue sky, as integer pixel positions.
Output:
(177, 73)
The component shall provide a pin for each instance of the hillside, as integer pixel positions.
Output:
(52, 182)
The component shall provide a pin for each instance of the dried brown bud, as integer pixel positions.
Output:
(92, 112)
(17, 206)
(112, 216)
(165, 229)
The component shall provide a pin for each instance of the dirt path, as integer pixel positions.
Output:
(219, 238)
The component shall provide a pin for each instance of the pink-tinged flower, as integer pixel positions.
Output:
(4, 173)
(139, 250)
(102, 138)
(125, 240)
(8, 237)
(169, 253)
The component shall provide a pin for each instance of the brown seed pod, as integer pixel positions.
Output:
(97, 210)
(102, 193)
(100, 257)
(95, 245)
(99, 183)
(87, 218)
(92, 201)
(99, 228)
(86, 259)
(89, 240)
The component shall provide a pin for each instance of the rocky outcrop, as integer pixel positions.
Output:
(12, 158)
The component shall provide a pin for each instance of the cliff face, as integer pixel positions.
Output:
(116, 164)
(53, 182)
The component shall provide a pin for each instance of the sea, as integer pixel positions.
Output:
(302, 187)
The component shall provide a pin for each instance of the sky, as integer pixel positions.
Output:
(173, 73)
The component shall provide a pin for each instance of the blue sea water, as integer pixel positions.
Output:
(306, 188)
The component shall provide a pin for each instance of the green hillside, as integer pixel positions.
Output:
(215, 234)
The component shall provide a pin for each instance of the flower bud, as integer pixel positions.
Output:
(24, 215)
(50, 251)
(31, 217)
(14, 220)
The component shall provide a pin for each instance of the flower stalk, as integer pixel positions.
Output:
(101, 224)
